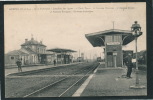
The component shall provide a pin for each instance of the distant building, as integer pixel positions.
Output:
(82, 55)
(142, 57)
(126, 52)
(99, 59)
(80, 59)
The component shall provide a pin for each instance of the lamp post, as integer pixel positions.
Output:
(136, 32)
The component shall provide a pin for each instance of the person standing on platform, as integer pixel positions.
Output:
(54, 62)
(129, 65)
(19, 63)
(124, 61)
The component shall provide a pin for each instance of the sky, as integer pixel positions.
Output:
(65, 25)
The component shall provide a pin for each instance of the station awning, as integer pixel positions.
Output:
(61, 50)
(98, 38)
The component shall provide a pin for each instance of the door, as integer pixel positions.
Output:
(109, 59)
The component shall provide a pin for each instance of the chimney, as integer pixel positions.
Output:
(26, 40)
(32, 37)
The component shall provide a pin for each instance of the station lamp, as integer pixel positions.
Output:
(136, 32)
(136, 29)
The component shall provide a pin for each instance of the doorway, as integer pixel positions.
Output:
(109, 59)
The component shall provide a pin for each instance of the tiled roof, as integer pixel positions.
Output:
(30, 51)
(32, 42)
(97, 39)
(16, 52)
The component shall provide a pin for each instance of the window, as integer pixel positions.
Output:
(109, 53)
(109, 39)
(113, 38)
(117, 38)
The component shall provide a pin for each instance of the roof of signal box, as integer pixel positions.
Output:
(98, 38)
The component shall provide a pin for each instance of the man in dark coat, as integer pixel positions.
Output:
(128, 63)
(19, 63)
(54, 62)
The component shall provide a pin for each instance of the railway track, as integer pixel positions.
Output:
(69, 83)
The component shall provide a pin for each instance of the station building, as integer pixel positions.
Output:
(112, 40)
(31, 52)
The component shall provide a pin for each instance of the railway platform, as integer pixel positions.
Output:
(109, 82)
(31, 68)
